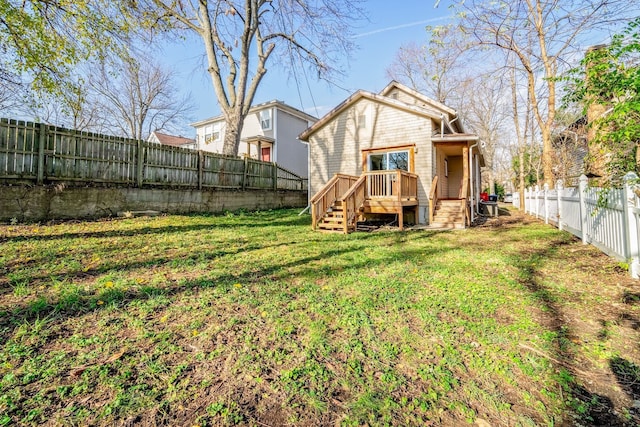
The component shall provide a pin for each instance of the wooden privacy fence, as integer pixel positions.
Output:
(609, 219)
(42, 154)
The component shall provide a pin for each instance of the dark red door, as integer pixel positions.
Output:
(266, 154)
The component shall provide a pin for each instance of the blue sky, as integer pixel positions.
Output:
(391, 24)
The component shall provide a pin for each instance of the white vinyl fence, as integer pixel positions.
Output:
(611, 225)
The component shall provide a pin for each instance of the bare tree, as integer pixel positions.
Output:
(482, 101)
(73, 108)
(241, 37)
(440, 69)
(520, 131)
(409, 67)
(12, 90)
(137, 98)
(431, 68)
(542, 35)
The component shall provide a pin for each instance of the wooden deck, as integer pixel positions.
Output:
(346, 199)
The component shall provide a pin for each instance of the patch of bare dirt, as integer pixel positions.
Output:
(593, 305)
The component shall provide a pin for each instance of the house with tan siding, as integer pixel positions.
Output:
(396, 152)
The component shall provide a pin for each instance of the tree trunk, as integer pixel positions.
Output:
(522, 139)
(547, 156)
(491, 182)
(521, 176)
(233, 131)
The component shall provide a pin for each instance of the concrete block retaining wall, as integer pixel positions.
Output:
(42, 203)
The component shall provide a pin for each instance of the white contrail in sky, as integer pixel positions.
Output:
(397, 27)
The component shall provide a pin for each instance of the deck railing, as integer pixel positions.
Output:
(394, 184)
(332, 191)
(352, 191)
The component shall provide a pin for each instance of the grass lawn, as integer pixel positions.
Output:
(254, 319)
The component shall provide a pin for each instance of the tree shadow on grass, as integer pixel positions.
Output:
(65, 306)
(629, 299)
(626, 372)
(281, 274)
(586, 407)
(628, 376)
(71, 275)
(267, 221)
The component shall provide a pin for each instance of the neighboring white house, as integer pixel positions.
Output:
(175, 141)
(270, 133)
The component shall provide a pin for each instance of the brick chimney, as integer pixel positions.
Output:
(596, 161)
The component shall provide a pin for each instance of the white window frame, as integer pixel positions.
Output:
(266, 119)
(207, 132)
(362, 121)
(212, 133)
(216, 131)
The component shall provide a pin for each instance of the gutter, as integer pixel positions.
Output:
(471, 173)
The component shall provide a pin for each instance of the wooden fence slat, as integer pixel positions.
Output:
(42, 140)
(43, 153)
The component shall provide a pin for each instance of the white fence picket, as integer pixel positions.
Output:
(607, 219)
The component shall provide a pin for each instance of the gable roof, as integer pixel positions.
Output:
(175, 141)
(280, 105)
(428, 101)
(414, 109)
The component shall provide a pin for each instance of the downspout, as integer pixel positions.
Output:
(471, 173)
(274, 149)
(441, 125)
(308, 174)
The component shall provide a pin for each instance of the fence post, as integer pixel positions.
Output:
(42, 140)
(583, 208)
(527, 197)
(546, 202)
(245, 172)
(140, 164)
(559, 189)
(536, 204)
(631, 225)
(200, 168)
(275, 176)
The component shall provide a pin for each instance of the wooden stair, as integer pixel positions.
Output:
(448, 214)
(347, 199)
(333, 220)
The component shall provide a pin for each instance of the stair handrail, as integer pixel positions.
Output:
(433, 198)
(352, 200)
(327, 195)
